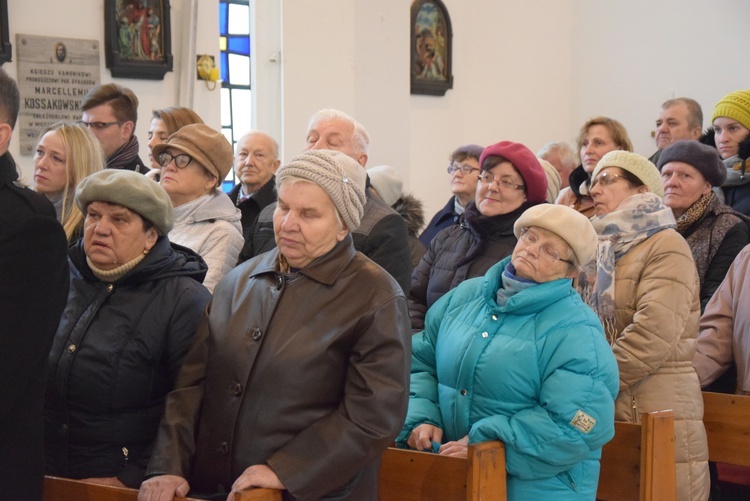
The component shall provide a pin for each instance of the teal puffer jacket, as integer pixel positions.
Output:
(536, 373)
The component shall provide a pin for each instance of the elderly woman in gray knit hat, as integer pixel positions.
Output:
(715, 232)
(134, 305)
(299, 378)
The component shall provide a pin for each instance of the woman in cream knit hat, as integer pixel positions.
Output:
(646, 295)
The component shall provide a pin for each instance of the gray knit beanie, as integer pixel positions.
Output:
(131, 190)
(338, 175)
(702, 157)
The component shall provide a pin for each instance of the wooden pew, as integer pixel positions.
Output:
(639, 462)
(727, 422)
(64, 489)
(412, 475)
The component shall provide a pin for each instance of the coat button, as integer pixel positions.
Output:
(494, 317)
(464, 392)
(236, 389)
(224, 448)
(110, 288)
(484, 335)
(257, 334)
(64, 429)
(71, 348)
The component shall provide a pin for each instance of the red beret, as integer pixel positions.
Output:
(525, 163)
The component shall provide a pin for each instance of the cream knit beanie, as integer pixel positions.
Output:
(338, 175)
(634, 163)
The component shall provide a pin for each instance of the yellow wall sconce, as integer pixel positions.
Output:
(207, 70)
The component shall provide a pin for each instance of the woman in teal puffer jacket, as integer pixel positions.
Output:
(517, 356)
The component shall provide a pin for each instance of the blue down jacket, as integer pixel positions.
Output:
(536, 373)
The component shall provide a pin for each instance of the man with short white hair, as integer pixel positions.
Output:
(562, 157)
(256, 159)
(382, 235)
(680, 118)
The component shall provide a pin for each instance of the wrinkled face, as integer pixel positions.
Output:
(497, 198)
(336, 134)
(113, 235)
(50, 163)
(186, 184)
(609, 189)
(255, 162)
(111, 137)
(683, 186)
(729, 134)
(673, 125)
(157, 134)
(304, 223)
(597, 143)
(539, 261)
(464, 186)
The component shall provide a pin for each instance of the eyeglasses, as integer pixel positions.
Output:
(545, 251)
(466, 169)
(605, 178)
(181, 161)
(99, 125)
(488, 178)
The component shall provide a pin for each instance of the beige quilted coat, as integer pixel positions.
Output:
(656, 317)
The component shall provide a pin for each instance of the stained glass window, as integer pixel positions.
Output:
(234, 43)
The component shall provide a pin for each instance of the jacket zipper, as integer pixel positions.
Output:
(635, 409)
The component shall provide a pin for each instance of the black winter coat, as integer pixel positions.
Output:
(458, 253)
(33, 288)
(115, 357)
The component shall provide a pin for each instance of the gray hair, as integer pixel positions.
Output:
(360, 137)
(695, 113)
(274, 144)
(564, 151)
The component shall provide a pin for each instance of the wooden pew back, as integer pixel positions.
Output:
(639, 462)
(65, 489)
(411, 475)
(727, 422)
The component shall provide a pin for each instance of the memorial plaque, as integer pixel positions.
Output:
(53, 76)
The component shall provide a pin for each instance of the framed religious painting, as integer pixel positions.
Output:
(138, 38)
(431, 48)
(5, 46)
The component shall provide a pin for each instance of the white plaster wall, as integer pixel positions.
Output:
(632, 56)
(85, 19)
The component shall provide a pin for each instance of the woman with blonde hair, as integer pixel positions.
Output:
(65, 155)
(597, 137)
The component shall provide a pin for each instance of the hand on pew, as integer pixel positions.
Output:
(113, 481)
(457, 449)
(258, 475)
(163, 487)
(422, 436)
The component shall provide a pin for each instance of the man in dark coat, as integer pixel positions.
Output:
(255, 162)
(110, 112)
(382, 235)
(33, 290)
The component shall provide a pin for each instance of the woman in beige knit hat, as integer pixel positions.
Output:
(301, 381)
(646, 295)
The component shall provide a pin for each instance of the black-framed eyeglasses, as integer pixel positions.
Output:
(605, 178)
(464, 168)
(488, 178)
(181, 161)
(545, 251)
(99, 125)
